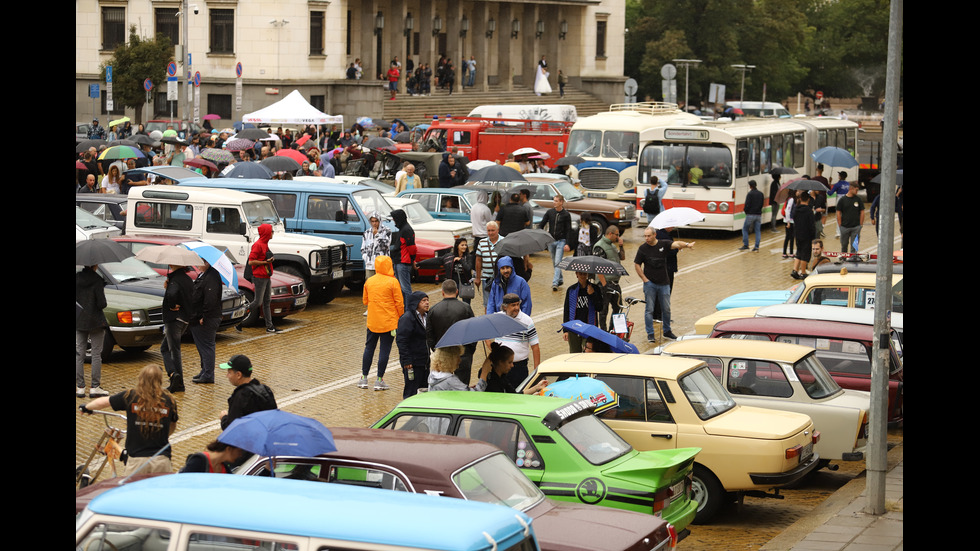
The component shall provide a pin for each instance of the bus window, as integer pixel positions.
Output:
(850, 141)
(765, 154)
(753, 156)
(799, 145)
(777, 151)
(742, 150)
(821, 139)
(584, 143)
(653, 162)
(682, 165)
(620, 145)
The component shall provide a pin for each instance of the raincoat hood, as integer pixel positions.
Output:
(382, 265)
(399, 217)
(265, 232)
(414, 299)
(504, 261)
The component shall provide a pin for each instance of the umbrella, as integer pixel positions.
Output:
(496, 173)
(249, 169)
(783, 170)
(217, 259)
(615, 343)
(592, 265)
(281, 164)
(121, 152)
(80, 165)
(379, 143)
(525, 151)
(567, 161)
(584, 388)
(676, 217)
(85, 145)
(211, 117)
(239, 144)
(403, 137)
(129, 143)
(834, 156)
(899, 177)
(480, 328)
(526, 241)
(118, 121)
(142, 139)
(172, 139)
(809, 185)
(200, 163)
(169, 254)
(292, 154)
(100, 251)
(254, 134)
(478, 164)
(217, 156)
(305, 138)
(275, 432)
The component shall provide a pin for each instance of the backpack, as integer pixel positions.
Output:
(651, 205)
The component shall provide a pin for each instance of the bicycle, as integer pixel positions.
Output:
(630, 301)
(109, 447)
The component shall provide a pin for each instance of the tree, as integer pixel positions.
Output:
(132, 63)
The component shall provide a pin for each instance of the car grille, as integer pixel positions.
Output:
(156, 315)
(296, 289)
(599, 178)
(328, 258)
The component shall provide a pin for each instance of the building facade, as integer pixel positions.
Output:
(308, 45)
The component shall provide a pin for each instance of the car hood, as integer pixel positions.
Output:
(282, 239)
(754, 298)
(752, 422)
(579, 527)
(128, 300)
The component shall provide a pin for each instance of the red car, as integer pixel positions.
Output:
(845, 349)
(289, 293)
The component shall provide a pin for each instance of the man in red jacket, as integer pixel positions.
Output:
(260, 260)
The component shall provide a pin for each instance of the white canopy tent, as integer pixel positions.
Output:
(292, 109)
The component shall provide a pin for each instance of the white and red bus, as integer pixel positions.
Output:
(708, 166)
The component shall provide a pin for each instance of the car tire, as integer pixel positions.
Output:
(709, 494)
(107, 344)
(252, 317)
(601, 221)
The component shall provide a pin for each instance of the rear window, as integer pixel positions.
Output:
(706, 395)
(837, 355)
(163, 216)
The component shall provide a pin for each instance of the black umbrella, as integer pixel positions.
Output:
(403, 137)
(249, 169)
(253, 134)
(809, 185)
(143, 139)
(85, 145)
(592, 265)
(899, 177)
(526, 241)
(173, 140)
(783, 170)
(130, 143)
(279, 163)
(496, 174)
(567, 161)
(100, 251)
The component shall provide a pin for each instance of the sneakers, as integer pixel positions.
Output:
(97, 392)
(670, 335)
(380, 385)
(79, 392)
(238, 328)
(272, 330)
(362, 383)
(743, 248)
(755, 250)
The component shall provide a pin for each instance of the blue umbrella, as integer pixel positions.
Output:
(218, 259)
(584, 388)
(480, 328)
(834, 156)
(249, 169)
(275, 432)
(615, 343)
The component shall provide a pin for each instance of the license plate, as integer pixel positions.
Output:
(301, 301)
(677, 491)
(596, 195)
(338, 274)
(806, 453)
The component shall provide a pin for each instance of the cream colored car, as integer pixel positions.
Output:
(667, 403)
(787, 377)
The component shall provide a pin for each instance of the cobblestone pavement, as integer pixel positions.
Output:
(314, 364)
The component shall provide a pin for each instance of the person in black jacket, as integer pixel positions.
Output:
(754, 201)
(442, 316)
(410, 339)
(583, 302)
(512, 216)
(249, 395)
(89, 324)
(559, 223)
(178, 311)
(207, 305)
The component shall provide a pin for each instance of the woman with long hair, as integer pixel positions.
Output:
(151, 417)
(459, 265)
(499, 362)
(218, 457)
(111, 181)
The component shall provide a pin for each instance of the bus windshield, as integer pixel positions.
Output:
(610, 144)
(686, 165)
(584, 143)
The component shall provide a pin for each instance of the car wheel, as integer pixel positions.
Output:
(107, 344)
(601, 221)
(251, 318)
(135, 348)
(709, 494)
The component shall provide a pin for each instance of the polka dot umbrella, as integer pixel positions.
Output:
(592, 265)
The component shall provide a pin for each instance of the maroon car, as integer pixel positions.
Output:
(845, 349)
(456, 467)
(289, 293)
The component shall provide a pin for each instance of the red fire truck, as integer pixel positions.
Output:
(493, 139)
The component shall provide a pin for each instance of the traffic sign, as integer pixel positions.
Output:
(171, 69)
(238, 70)
(147, 85)
(108, 73)
(197, 78)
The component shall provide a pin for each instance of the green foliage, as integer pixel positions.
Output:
(133, 62)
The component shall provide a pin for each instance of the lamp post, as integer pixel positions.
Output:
(687, 75)
(744, 69)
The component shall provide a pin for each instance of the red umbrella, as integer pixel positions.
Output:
(303, 140)
(80, 165)
(200, 163)
(292, 154)
(211, 117)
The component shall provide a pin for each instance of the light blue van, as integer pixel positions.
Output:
(335, 210)
(205, 512)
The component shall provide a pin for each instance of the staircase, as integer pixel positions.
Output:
(417, 110)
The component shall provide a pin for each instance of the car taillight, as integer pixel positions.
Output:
(793, 452)
(673, 535)
(816, 437)
(660, 500)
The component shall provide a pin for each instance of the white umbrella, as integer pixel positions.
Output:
(478, 164)
(169, 254)
(525, 151)
(676, 217)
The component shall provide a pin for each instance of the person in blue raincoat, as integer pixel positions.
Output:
(506, 281)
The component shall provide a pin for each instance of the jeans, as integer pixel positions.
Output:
(204, 334)
(403, 272)
(472, 78)
(263, 299)
(557, 250)
(81, 344)
(654, 294)
(847, 238)
(754, 220)
(486, 293)
(369, 345)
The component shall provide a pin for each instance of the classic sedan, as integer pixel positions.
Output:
(787, 377)
(289, 293)
(455, 203)
(837, 287)
(427, 227)
(110, 207)
(135, 321)
(667, 403)
(454, 467)
(561, 447)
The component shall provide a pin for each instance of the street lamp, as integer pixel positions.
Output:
(744, 69)
(562, 29)
(409, 24)
(687, 75)
(464, 27)
(491, 27)
(540, 29)
(515, 28)
(379, 23)
(436, 25)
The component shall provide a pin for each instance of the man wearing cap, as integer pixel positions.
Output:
(96, 132)
(249, 395)
(523, 343)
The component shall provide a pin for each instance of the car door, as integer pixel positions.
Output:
(334, 216)
(226, 226)
(509, 436)
(642, 416)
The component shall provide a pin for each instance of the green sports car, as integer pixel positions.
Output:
(562, 447)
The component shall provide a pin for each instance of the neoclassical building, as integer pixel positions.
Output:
(309, 44)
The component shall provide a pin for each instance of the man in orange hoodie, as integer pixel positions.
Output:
(383, 298)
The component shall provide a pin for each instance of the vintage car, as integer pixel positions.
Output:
(787, 377)
(461, 468)
(289, 293)
(839, 286)
(668, 403)
(427, 227)
(562, 447)
(237, 513)
(845, 349)
(110, 207)
(132, 274)
(383, 188)
(135, 321)
(90, 226)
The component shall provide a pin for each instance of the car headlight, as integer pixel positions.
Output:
(724, 207)
(131, 317)
(712, 206)
(628, 183)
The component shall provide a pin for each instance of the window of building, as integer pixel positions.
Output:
(600, 39)
(168, 24)
(316, 33)
(319, 102)
(113, 27)
(220, 104)
(222, 31)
